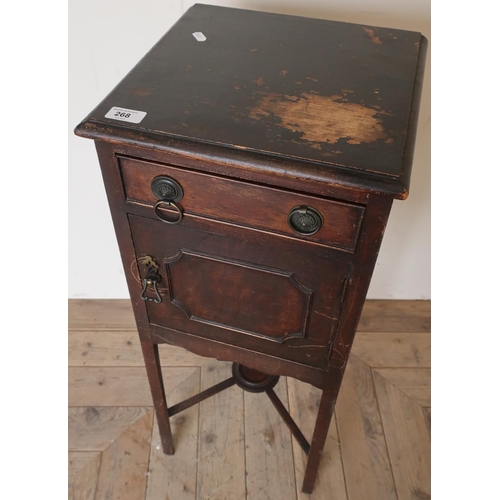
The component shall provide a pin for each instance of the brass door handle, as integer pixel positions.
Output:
(152, 279)
(146, 282)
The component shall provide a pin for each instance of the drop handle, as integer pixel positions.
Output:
(151, 280)
(146, 283)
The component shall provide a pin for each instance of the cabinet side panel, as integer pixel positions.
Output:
(372, 232)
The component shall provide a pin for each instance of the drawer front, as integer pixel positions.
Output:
(240, 287)
(246, 204)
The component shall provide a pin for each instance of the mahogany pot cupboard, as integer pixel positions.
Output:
(250, 161)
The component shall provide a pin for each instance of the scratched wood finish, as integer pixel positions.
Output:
(288, 85)
(224, 284)
(97, 428)
(224, 352)
(242, 203)
(249, 167)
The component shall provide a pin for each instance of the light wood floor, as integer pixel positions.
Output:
(234, 446)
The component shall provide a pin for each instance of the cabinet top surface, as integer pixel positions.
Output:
(327, 92)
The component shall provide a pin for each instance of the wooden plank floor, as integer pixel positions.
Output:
(234, 446)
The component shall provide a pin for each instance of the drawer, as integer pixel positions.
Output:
(246, 204)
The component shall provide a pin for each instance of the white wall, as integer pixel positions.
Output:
(108, 37)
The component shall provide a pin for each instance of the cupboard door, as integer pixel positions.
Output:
(242, 287)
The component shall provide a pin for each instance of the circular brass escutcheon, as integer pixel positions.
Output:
(166, 189)
(305, 220)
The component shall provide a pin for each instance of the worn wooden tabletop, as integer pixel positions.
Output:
(323, 91)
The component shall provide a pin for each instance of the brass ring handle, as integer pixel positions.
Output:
(179, 211)
(305, 220)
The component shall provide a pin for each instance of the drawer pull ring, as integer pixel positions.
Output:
(165, 202)
(305, 220)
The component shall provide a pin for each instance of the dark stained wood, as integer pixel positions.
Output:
(232, 288)
(294, 429)
(364, 262)
(243, 203)
(316, 178)
(396, 316)
(231, 303)
(411, 133)
(249, 167)
(325, 413)
(153, 368)
(270, 112)
(266, 363)
(323, 91)
(201, 396)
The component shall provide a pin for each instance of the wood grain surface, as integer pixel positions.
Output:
(378, 446)
(335, 93)
(268, 448)
(173, 477)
